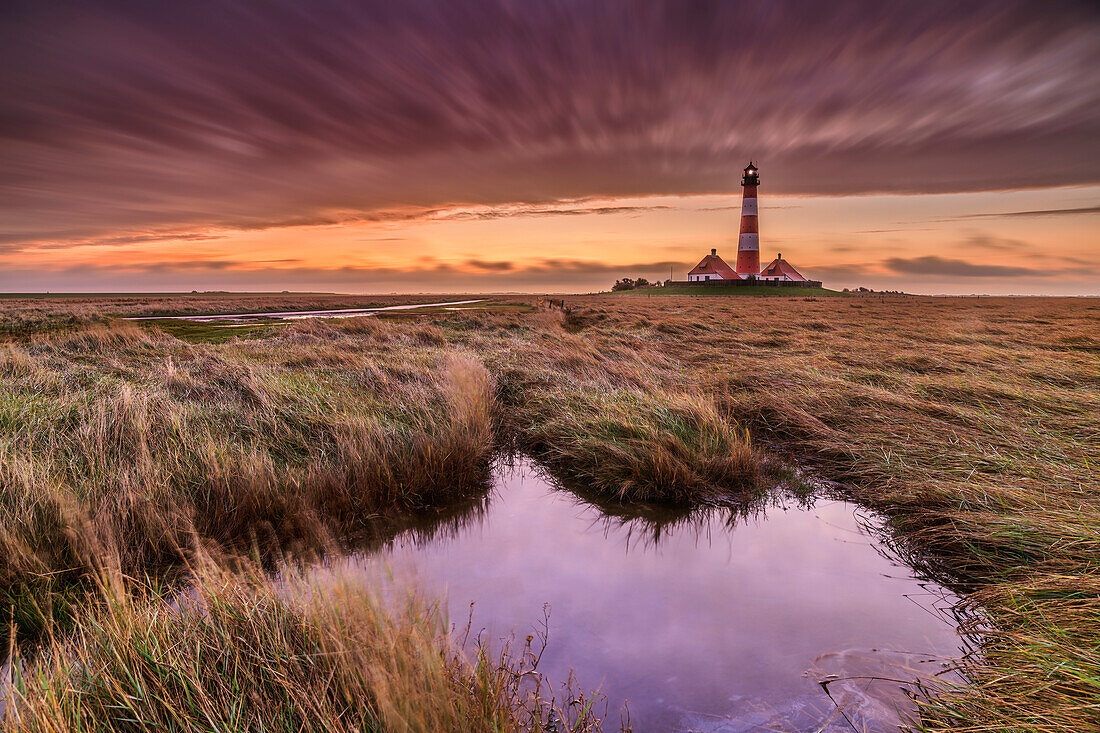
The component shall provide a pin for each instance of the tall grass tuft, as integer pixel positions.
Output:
(124, 449)
(305, 653)
(638, 446)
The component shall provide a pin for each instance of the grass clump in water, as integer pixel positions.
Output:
(636, 446)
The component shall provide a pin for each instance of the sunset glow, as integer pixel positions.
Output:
(490, 147)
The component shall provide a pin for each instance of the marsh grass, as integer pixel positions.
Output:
(636, 446)
(123, 448)
(1039, 665)
(24, 315)
(971, 423)
(215, 333)
(242, 651)
(616, 416)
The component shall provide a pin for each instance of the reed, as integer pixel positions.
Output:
(317, 652)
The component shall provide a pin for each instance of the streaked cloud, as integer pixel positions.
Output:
(987, 241)
(409, 215)
(429, 275)
(119, 117)
(946, 267)
(1045, 212)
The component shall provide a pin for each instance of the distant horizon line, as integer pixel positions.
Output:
(11, 294)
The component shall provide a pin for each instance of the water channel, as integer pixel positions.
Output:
(718, 620)
(299, 315)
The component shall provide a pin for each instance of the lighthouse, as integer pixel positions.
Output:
(748, 244)
(713, 271)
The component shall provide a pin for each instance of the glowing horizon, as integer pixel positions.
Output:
(472, 248)
(372, 148)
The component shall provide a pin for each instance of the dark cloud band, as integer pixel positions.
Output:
(118, 116)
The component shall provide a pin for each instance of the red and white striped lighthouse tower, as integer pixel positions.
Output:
(748, 244)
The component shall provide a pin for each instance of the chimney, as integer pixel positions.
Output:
(779, 256)
(714, 253)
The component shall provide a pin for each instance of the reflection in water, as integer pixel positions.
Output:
(432, 524)
(716, 619)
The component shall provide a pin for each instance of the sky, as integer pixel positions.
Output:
(550, 146)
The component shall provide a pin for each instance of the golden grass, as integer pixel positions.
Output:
(122, 448)
(244, 652)
(973, 423)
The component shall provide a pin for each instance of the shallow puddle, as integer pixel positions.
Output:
(707, 622)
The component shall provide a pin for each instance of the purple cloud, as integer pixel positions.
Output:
(122, 116)
(940, 266)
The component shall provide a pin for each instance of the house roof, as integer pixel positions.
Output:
(715, 265)
(779, 267)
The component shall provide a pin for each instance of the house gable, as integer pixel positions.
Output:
(780, 269)
(713, 267)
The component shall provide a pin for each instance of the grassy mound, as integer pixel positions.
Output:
(123, 448)
(632, 445)
(793, 292)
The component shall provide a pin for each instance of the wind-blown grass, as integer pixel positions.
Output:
(125, 449)
(634, 445)
(242, 652)
(971, 422)
(615, 415)
(24, 314)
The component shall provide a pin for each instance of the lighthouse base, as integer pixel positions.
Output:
(753, 282)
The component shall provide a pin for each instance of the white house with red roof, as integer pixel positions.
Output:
(780, 269)
(712, 267)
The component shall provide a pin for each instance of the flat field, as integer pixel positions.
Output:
(129, 449)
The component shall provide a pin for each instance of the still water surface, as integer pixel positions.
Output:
(712, 622)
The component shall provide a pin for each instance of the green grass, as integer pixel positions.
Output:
(731, 290)
(199, 332)
(214, 332)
